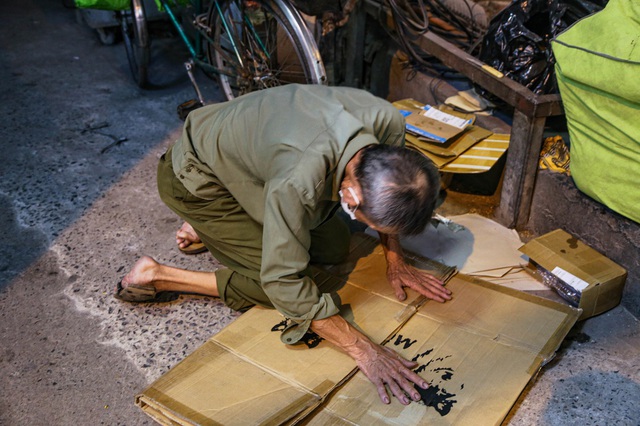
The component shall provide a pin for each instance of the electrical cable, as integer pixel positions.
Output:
(412, 19)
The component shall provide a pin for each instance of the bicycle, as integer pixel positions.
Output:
(246, 45)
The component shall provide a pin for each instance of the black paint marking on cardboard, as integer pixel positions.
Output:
(281, 326)
(448, 372)
(438, 398)
(573, 242)
(423, 367)
(405, 342)
(423, 354)
(310, 338)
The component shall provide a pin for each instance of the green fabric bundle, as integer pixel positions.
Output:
(121, 4)
(103, 4)
(598, 72)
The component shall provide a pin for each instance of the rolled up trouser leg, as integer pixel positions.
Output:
(235, 239)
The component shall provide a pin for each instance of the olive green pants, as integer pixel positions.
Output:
(235, 240)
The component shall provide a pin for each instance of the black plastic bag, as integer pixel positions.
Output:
(517, 42)
(578, 9)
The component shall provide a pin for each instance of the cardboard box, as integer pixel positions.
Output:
(567, 264)
(478, 351)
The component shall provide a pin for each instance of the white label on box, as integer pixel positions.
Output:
(569, 278)
(443, 117)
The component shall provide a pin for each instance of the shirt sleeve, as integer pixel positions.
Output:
(393, 127)
(286, 242)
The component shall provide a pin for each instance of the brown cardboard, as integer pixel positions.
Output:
(604, 277)
(473, 150)
(479, 351)
(445, 153)
(481, 157)
(453, 148)
(429, 129)
(477, 360)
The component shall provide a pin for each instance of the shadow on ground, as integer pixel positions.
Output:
(67, 101)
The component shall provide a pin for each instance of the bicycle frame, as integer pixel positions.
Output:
(246, 45)
(194, 46)
(203, 33)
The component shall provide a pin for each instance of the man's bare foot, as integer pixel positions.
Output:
(186, 236)
(143, 272)
(146, 273)
(143, 283)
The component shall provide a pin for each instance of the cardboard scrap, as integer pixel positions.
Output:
(433, 124)
(471, 149)
(443, 154)
(580, 274)
(481, 157)
(478, 351)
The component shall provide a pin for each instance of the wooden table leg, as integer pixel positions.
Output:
(520, 170)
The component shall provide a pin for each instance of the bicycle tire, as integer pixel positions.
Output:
(137, 42)
(272, 44)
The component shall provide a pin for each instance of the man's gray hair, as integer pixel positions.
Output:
(400, 187)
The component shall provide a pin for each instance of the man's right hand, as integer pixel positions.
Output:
(382, 366)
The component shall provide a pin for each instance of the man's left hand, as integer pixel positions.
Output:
(401, 275)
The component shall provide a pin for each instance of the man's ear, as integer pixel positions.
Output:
(349, 178)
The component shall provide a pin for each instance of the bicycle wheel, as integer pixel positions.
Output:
(137, 42)
(261, 44)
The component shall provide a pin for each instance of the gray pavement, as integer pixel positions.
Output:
(75, 218)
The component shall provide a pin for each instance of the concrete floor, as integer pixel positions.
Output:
(76, 216)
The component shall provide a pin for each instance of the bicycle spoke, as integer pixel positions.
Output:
(260, 46)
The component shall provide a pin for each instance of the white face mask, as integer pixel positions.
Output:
(346, 207)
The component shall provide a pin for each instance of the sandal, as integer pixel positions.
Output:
(145, 293)
(194, 248)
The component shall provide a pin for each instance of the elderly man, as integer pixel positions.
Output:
(258, 181)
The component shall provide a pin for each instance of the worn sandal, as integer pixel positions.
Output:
(145, 293)
(194, 248)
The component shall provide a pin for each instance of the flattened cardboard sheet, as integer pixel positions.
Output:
(478, 351)
(476, 360)
(202, 390)
(481, 157)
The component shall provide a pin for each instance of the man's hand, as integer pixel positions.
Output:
(384, 366)
(401, 275)
(381, 365)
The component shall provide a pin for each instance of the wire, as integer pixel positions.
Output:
(413, 18)
(467, 31)
(411, 22)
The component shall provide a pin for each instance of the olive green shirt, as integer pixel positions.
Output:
(282, 154)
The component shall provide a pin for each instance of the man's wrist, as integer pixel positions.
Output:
(338, 331)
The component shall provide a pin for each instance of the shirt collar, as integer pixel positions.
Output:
(352, 148)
